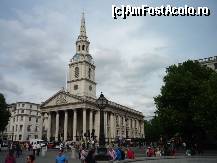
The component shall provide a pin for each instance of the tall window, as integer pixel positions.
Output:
(117, 123)
(76, 72)
(29, 128)
(89, 73)
(83, 47)
(79, 47)
(21, 127)
(30, 118)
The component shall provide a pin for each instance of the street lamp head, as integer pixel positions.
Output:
(102, 102)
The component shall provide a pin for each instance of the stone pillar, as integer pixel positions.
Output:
(57, 126)
(49, 126)
(84, 121)
(74, 124)
(124, 127)
(41, 126)
(105, 124)
(115, 125)
(65, 125)
(142, 129)
(130, 128)
(91, 121)
(112, 127)
(133, 123)
(97, 123)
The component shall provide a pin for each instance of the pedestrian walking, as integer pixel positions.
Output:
(38, 148)
(30, 159)
(111, 153)
(34, 148)
(10, 157)
(130, 154)
(18, 149)
(61, 158)
(83, 155)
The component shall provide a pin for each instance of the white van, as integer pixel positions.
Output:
(37, 141)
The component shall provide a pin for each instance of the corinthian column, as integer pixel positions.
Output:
(57, 126)
(97, 123)
(84, 121)
(49, 126)
(74, 124)
(41, 126)
(91, 121)
(105, 124)
(112, 128)
(65, 125)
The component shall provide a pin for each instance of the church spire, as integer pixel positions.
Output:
(82, 43)
(83, 28)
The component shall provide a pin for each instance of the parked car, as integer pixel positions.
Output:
(50, 145)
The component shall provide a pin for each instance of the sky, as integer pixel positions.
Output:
(37, 40)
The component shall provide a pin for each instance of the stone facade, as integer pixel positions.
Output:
(210, 62)
(24, 123)
(70, 113)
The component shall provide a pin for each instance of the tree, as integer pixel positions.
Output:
(152, 129)
(187, 103)
(4, 113)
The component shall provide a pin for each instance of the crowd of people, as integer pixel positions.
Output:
(113, 153)
(16, 149)
(86, 152)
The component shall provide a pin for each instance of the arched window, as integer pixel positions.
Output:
(79, 47)
(76, 72)
(83, 47)
(89, 73)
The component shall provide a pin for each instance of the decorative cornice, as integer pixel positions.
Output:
(81, 79)
(84, 61)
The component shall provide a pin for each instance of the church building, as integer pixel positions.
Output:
(71, 113)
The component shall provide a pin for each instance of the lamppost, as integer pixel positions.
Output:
(102, 102)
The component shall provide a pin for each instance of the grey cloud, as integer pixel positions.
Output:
(32, 50)
(9, 87)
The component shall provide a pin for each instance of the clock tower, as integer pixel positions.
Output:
(81, 78)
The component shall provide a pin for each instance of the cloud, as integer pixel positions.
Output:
(8, 87)
(38, 39)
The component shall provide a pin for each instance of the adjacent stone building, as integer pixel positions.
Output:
(70, 113)
(210, 62)
(24, 122)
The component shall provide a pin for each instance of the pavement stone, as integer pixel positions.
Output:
(140, 157)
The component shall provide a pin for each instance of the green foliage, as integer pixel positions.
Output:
(4, 113)
(187, 103)
(153, 129)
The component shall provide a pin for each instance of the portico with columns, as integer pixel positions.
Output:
(71, 112)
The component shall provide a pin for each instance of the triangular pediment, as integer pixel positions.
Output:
(61, 98)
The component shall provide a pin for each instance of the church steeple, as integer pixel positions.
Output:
(83, 28)
(81, 79)
(82, 43)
